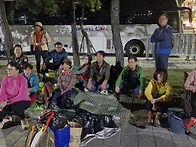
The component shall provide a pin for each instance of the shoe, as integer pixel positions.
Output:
(25, 124)
(5, 120)
(86, 90)
(187, 124)
(105, 92)
(46, 74)
(157, 125)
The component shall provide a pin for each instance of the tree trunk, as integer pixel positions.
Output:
(85, 35)
(116, 32)
(7, 40)
(75, 47)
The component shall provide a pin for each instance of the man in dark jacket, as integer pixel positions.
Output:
(99, 75)
(58, 55)
(162, 37)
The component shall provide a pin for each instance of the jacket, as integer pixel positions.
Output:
(103, 74)
(66, 81)
(83, 72)
(14, 89)
(21, 60)
(163, 40)
(56, 56)
(34, 81)
(190, 83)
(45, 39)
(164, 92)
(124, 75)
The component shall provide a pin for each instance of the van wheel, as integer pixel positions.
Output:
(134, 47)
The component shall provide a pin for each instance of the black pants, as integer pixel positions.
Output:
(52, 66)
(161, 106)
(193, 104)
(38, 55)
(18, 108)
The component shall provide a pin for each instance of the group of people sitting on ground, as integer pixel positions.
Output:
(19, 90)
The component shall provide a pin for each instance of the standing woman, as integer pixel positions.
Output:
(18, 56)
(33, 82)
(13, 95)
(162, 37)
(39, 41)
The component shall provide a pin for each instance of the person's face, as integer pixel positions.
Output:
(99, 58)
(66, 66)
(85, 60)
(37, 28)
(161, 77)
(132, 64)
(27, 72)
(58, 48)
(17, 51)
(162, 21)
(12, 71)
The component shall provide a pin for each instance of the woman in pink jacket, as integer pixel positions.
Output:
(13, 95)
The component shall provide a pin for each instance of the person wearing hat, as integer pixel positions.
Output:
(39, 40)
(57, 55)
(66, 81)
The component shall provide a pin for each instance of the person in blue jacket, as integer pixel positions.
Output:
(58, 55)
(162, 37)
(33, 82)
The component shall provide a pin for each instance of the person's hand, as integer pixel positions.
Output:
(44, 66)
(2, 105)
(103, 86)
(90, 85)
(117, 89)
(194, 91)
(152, 101)
(62, 92)
(29, 90)
(154, 107)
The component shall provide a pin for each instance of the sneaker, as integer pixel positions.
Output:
(46, 74)
(86, 90)
(187, 124)
(5, 120)
(105, 92)
(25, 124)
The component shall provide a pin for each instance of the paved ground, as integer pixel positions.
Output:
(129, 136)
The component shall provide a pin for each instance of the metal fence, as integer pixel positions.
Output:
(183, 45)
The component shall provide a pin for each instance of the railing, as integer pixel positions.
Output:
(183, 45)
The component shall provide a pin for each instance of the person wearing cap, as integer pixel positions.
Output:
(39, 40)
(66, 81)
(57, 55)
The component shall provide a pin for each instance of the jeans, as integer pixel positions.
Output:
(58, 93)
(95, 88)
(125, 90)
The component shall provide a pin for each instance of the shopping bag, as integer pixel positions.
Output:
(62, 136)
(75, 134)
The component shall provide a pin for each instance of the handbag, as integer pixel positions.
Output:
(75, 134)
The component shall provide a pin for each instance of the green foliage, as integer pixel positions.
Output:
(94, 5)
(38, 6)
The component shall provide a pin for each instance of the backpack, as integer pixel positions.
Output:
(40, 136)
(46, 92)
